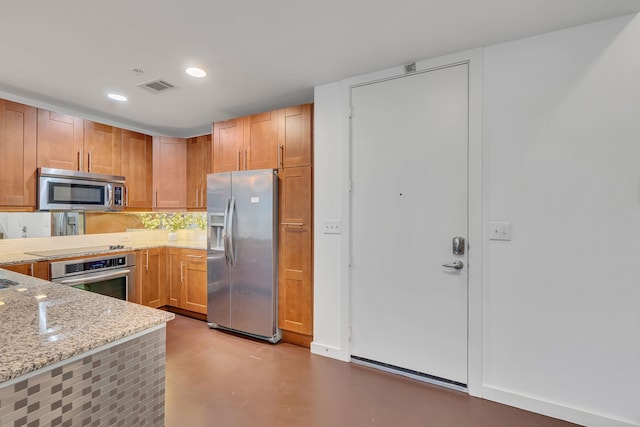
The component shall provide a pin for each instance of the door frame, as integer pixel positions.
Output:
(474, 197)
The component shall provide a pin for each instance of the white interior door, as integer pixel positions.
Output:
(409, 200)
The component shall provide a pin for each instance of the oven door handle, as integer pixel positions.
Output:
(90, 279)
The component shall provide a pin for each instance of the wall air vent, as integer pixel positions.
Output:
(156, 86)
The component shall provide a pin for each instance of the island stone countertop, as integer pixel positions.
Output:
(42, 323)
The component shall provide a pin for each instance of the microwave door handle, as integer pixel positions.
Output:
(93, 279)
(109, 196)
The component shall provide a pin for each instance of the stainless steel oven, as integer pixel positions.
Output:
(112, 275)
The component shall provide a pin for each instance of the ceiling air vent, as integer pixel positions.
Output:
(156, 86)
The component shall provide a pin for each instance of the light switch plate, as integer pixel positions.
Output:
(499, 230)
(332, 226)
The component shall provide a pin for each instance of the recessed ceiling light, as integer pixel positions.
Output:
(195, 72)
(117, 97)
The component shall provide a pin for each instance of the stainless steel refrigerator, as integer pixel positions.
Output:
(242, 216)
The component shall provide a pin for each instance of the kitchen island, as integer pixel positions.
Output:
(71, 357)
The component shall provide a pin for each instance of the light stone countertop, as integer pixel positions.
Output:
(21, 258)
(45, 323)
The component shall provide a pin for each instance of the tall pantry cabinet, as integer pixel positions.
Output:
(295, 236)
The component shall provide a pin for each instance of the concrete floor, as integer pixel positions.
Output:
(219, 379)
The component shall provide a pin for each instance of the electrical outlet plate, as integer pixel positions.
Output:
(332, 226)
(499, 230)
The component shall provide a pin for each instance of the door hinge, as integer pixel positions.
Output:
(350, 111)
(350, 334)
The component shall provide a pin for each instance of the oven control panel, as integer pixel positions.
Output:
(95, 265)
(87, 265)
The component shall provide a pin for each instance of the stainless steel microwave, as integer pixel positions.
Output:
(60, 189)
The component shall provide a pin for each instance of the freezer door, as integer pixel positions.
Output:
(254, 233)
(218, 266)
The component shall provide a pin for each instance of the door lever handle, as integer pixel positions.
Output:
(456, 264)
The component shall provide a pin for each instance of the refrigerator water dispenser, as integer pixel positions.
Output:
(216, 222)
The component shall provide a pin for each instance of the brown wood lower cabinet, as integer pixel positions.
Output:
(188, 279)
(151, 288)
(39, 269)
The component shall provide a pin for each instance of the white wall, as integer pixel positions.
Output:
(561, 300)
(561, 161)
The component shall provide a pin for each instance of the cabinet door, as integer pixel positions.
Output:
(152, 277)
(198, 157)
(60, 141)
(103, 148)
(295, 289)
(17, 154)
(260, 141)
(169, 174)
(137, 168)
(195, 281)
(228, 145)
(39, 269)
(176, 277)
(295, 136)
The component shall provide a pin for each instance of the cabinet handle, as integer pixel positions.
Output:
(281, 156)
(195, 256)
(89, 161)
(80, 159)
(146, 266)
(245, 159)
(298, 224)
(238, 168)
(126, 192)
(155, 198)
(197, 198)
(32, 270)
(181, 275)
(202, 197)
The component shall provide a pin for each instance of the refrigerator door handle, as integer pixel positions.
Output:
(225, 231)
(230, 236)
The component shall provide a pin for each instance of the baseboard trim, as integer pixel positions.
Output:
(551, 409)
(330, 351)
(296, 338)
(184, 312)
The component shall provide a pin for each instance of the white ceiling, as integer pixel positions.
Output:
(260, 55)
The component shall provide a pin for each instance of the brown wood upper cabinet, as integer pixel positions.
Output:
(274, 139)
(260, 141)
(60, 141)
(137, 168)
(67, 142)
(169, 176)
(246, 143)
(294, 136)
(198, 166)
(228, 145)
(102, 148)
(17, 154)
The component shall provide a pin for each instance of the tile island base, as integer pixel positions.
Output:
(118, 384)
